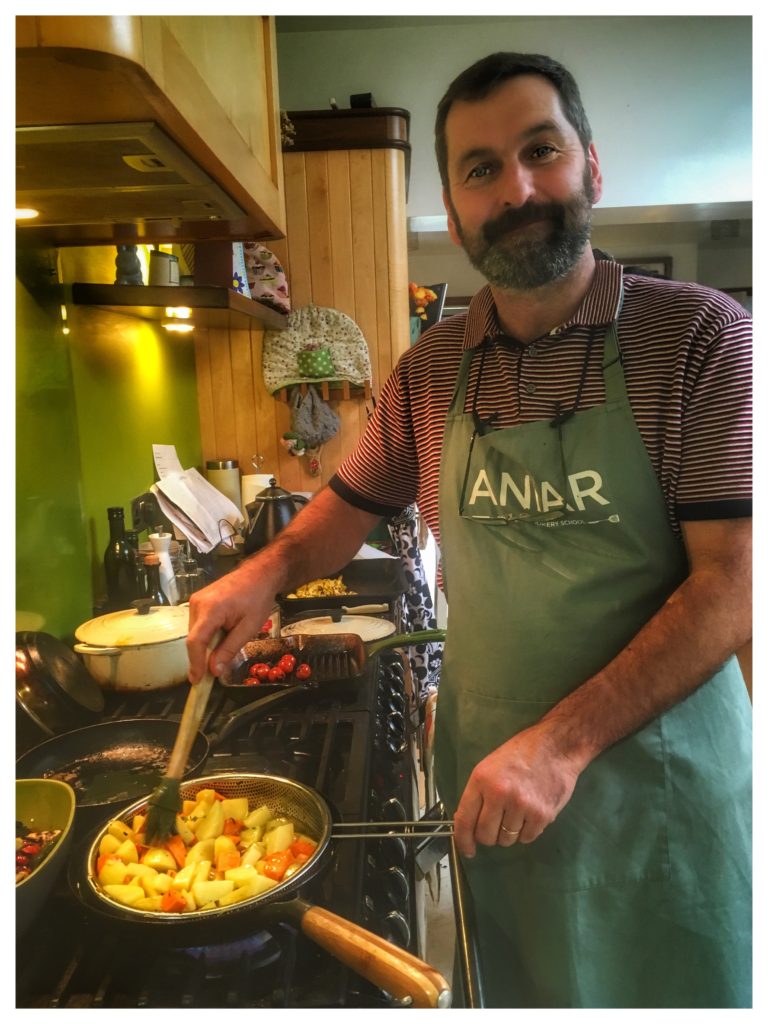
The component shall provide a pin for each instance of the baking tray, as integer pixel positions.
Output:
(374, 580)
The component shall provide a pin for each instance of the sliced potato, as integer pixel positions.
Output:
(119, 830)
(108, 844)
(279, 838)
(159, 858)
(149, 903)
(210, 892)
(126, 894)
(127, 852)
(235, 807)
(259, 816)
(202, 850)
(113, 872)
(212, 824)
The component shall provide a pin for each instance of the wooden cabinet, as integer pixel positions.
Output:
(345, 247)
(209, 83)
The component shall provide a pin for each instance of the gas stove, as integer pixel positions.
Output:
(354, 748)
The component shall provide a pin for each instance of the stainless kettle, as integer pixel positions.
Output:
(270, 511)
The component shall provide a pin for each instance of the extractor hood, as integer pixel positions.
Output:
(131, 173)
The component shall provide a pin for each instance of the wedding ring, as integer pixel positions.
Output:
(509, 831)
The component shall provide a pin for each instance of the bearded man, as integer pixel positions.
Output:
(579, 444)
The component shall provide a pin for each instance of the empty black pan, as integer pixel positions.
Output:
(110, 763)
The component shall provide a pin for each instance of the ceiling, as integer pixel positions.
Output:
(339, 23)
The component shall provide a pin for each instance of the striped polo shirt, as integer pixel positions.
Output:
(687, 363)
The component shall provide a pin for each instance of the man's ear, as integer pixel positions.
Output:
(452, 231)
(596, 174)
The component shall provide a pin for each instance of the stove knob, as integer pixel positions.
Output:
(393, 810)
(395, 928)
(392, 852)
(395, 885)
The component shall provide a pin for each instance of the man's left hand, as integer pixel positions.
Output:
(515, 792)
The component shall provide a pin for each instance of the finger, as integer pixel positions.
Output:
(465, 821)
(510, 834)
(199, 637)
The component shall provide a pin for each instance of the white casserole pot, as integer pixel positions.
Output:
(137, 649)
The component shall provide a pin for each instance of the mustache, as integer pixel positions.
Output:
(521, 216)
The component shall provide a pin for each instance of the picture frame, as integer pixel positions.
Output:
(654, 266)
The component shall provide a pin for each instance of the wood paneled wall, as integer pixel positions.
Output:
(346, 248)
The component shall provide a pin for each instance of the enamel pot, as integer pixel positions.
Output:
(137, 650)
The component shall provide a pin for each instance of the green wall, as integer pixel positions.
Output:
(89, 407)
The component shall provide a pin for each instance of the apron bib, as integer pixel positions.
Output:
(639, 893)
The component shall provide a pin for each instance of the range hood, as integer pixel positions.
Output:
(130, 173)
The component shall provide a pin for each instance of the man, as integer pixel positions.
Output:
(579, 445)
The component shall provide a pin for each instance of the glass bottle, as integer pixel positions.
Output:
(137, 564)
(118, 566)
(154, 588)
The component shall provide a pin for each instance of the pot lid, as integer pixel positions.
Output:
(130, 629)
(367, 628)
(273, 493)
(51, 668)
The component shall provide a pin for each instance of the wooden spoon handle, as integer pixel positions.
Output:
(191, 717)
(384, 964)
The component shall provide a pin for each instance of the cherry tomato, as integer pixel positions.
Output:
(260, 669)
(276, 675)
(303, 671)
(251, 681)
(287, 663)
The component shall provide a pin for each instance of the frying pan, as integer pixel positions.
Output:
(380, 962)
(110, 763)
(335, 659)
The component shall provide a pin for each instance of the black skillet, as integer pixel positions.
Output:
(114, 762)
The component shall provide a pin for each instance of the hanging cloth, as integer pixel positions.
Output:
(416, 609)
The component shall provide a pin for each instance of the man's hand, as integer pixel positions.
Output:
(522, 785)
(239, 604)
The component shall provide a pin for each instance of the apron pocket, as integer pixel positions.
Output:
(614, 828)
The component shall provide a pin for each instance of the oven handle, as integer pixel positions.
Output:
(466, 933)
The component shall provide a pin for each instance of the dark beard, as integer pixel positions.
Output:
(523, 264)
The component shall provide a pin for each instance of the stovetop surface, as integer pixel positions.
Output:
(333, 743)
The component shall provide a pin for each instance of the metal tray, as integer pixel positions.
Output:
(374, 580)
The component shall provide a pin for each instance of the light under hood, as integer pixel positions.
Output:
(129, 173)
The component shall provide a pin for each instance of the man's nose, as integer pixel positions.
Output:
(517, 185)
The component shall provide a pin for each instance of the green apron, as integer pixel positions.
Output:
(639, 893)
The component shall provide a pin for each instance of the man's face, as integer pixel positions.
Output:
(521, 189)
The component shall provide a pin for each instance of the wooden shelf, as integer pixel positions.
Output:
(211, 307)
(330, 390)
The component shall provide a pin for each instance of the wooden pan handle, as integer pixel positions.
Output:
(191, 717)
(393, 969)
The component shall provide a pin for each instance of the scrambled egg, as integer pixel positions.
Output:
(322, 588)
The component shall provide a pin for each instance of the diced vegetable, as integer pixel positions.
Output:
(259, 816)
(127, 894)
(235, 807)
(221, 854)
(279, 838)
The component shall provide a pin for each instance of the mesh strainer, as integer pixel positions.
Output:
(398, 972)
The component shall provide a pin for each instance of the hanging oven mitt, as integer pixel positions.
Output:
(312, 419)
(265, 277)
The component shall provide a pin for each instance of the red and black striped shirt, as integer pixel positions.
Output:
(687, 363)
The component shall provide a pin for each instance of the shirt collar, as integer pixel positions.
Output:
(599, 306)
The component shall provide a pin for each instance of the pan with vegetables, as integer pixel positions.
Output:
(243, 847)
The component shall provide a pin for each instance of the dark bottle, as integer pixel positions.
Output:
(118, 564)
(137, 564)
(154, 587)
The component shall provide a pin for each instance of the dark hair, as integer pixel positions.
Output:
(486, 75)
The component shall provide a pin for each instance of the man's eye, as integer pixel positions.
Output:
(481, 171)
(543, 151)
